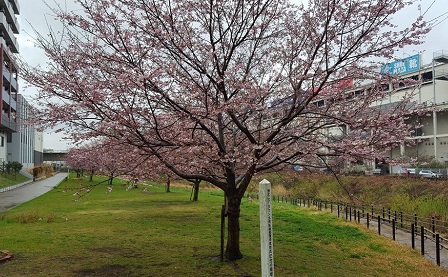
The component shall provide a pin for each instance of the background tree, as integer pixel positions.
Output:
(218, 91)
(80, 159)
(109, 158)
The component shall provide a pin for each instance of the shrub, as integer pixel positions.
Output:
(43, 170)
(433, 207)
(13, 167)
(405, 203)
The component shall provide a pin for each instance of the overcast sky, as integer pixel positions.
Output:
(36, 13)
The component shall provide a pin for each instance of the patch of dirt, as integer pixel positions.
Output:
(125, 252)
(104, 271)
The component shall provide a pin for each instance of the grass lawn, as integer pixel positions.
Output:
(11, 179)
(153, 233)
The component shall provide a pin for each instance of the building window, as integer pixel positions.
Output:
(2, 141)
(9, 137)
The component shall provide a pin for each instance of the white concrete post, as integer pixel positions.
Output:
(266, 238)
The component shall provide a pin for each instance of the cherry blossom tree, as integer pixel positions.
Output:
(111, 158)
(79, 159)
(218, 91)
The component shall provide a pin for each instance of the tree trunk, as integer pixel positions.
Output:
(91, 175)
(233, 234)
(196, 190)
(168, 182)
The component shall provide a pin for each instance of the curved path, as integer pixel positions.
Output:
(15, 197)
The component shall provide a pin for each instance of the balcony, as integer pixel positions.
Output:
(442, 75)
(441, 56)
(7, 124)
(10, 80)
(8, 33)
(8, 99)
(10, 10)
(15, 6)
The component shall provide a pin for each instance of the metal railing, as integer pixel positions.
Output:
(431, 232)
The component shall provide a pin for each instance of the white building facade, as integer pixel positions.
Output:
(18, 141)
(26, 145)
(430, 142)
(9, 27)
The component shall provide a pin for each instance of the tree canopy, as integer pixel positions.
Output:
(221, 90)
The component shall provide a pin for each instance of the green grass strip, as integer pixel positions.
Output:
(147, 232)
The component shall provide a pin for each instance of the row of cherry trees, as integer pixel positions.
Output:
(112, 160)
(219, 91)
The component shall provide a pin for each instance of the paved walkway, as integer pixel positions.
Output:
(15, 197)
(405, 237)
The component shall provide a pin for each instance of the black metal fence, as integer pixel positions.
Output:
(428, 234)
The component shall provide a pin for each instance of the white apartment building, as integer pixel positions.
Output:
(8, 71)
(18, 141)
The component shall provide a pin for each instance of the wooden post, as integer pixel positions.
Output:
(422, 239)
(266, 236)
(412, 235)
(223, 226)
(379, 225)
(438, 249)
(393, 229)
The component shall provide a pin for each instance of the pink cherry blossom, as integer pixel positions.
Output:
(219, 91)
